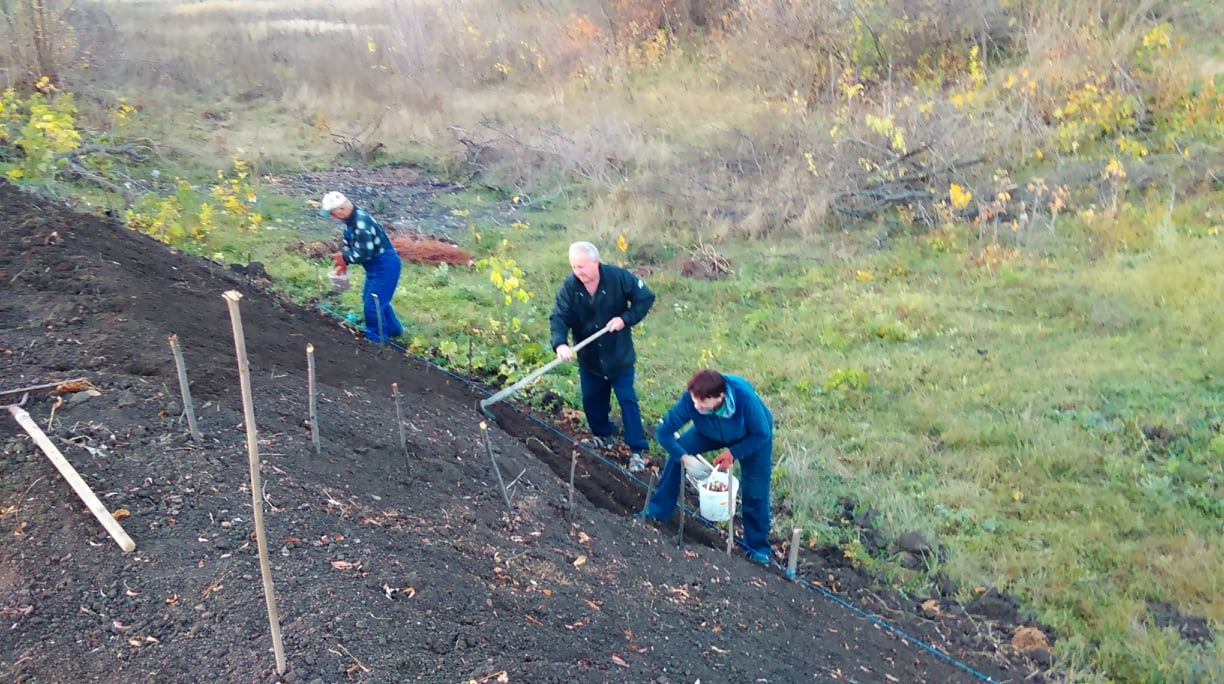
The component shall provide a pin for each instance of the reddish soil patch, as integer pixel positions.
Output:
(430, 251)
(418, 250)
(415, 249)
(387, 568)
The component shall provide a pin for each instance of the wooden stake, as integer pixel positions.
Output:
(641, 516)
(569, 510)
(314, 405)
(792, 563)
(484, 428)
(248, 411)
(399, 419)
(683, 515)
(78, 485)
(188, 407)
(59, 401)
(730, 511)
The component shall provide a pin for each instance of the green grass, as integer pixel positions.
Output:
(1053, 425)
(1010, 417)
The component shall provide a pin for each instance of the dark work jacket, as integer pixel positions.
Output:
(620, 293)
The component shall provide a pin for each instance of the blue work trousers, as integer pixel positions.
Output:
(381, 278)
(756, 471)
(597, 403)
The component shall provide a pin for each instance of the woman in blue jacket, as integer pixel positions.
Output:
(726, 414)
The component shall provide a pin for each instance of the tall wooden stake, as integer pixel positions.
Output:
(399, 419)
(188, 407)
(314, 405)
(248, 411)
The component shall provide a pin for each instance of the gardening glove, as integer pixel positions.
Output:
(696, 469)
(338, 260)
(565, 353)
(724, 460)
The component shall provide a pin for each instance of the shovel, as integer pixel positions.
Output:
(484, 405)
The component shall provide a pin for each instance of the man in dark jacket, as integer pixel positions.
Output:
(726, 414)
(599, 296)
(366, 243)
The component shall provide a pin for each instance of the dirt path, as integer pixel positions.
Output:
(383, 573)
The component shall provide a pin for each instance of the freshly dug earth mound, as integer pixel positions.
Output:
(426, 250)
(416, 249)
(387, 568)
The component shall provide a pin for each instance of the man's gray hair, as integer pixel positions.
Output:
(586, 249)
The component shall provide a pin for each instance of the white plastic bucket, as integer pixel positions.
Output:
(713, 502)
(339, 281)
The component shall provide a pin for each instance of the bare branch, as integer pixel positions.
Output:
(81, 171)
(132, 150)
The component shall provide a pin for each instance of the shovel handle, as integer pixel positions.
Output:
(538, 372)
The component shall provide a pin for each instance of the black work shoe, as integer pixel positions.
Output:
(597, 442)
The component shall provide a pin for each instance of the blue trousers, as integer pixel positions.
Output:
(382, 276)
(597, 403)
(756, 471)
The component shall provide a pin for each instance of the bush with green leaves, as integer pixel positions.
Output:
(188, 216)
(41, 130)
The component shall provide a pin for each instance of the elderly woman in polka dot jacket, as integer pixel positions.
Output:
(367, 244)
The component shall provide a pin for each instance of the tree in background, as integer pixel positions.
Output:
(38, 40)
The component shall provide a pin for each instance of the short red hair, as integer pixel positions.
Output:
(706, 384)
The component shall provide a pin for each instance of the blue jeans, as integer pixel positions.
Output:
(597, 403)
(756, 471)
(382, 276)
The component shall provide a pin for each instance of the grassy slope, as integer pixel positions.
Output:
(1052, 422)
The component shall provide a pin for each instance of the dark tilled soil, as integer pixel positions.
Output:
(386, 568)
